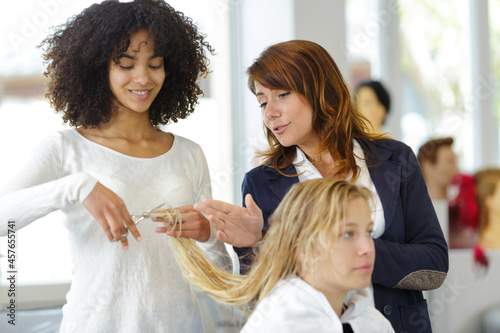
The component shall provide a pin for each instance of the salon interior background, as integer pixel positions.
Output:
(439, 59)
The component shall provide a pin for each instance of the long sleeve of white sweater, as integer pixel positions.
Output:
(37, 190)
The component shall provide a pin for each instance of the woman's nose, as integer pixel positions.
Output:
(366, 246)
(271, 111)
(141, 76)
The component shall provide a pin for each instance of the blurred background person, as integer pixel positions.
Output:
(452, 192)
(374, 103)
(488, 196)
(439, 166)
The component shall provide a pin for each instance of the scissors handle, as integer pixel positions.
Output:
(139, 218)
(136, 218)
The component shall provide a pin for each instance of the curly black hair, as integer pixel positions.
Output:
(78, 53)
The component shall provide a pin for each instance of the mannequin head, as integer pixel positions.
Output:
(439, 166)
(374, 103)
(488, 197)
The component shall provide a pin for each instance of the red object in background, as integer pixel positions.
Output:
(464, 213)
(464, 209)
(480, 257)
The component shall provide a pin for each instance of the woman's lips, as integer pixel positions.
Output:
(279, 129)
(141, 94)
(368, 268)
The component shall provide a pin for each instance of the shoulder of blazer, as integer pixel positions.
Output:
(382, 149)
(375, 150)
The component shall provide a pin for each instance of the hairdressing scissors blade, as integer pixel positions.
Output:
(152, 210)
(145, 215)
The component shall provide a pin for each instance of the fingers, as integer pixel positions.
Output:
(219, 206)
(204, 209)
(110, 211)
(166, 225)
(124, 241)
(116, 226)
(252, 207)
(212, 215)
(185, 209)
(218, 218)
(222, 236)
(105, 227)
(130, 224)
(169, 222)
(193, 225)
(177, 230)
(216, 222)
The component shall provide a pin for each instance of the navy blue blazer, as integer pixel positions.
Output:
(411, 255)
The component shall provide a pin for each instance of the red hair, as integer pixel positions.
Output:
(307, 69)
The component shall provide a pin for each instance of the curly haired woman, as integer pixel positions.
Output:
(117, 71)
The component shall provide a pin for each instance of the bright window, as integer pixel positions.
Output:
(435, 64)
(494, 8)
(362, 40)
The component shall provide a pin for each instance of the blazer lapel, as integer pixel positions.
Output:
(280, 184)
(386, 176)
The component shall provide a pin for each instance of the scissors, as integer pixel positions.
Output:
(139, 218)
(145, 215)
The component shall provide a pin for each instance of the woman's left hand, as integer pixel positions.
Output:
(194, 225)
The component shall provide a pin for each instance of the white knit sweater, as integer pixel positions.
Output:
(114, 290)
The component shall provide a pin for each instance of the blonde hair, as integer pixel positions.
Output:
(486, 183)
(306, 220)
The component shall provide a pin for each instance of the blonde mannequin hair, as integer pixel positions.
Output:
(486, 182)
(307, 220)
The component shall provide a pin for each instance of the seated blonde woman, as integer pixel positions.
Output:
(319, 247)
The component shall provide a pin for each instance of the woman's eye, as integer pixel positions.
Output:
(284, 94)
(370, 233)
(125, 67)
(348, 234)
(263, 105)
(155, 67)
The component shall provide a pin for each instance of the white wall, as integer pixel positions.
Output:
(467, 293)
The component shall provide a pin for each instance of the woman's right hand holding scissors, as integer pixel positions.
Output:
(111, 213)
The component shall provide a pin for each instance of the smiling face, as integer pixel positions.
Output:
(138, 77)
(288, 116)
(349, 264)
